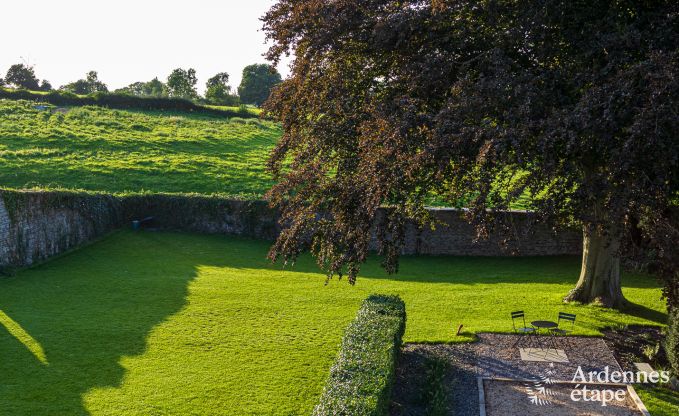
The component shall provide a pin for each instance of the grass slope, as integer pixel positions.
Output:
(117, 151)
(165, 323)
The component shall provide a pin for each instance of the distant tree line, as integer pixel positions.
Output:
(256, 86)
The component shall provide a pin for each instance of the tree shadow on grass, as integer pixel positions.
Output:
(86, 311)
(641, 311)
(89, 309)
(465, 270)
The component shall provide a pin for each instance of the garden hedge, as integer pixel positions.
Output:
(121, 102)
(362, 376)
(672, 342)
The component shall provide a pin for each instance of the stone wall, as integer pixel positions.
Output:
(204, 214)
(37, 225)
(454, 236)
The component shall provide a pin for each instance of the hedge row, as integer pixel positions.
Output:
(672, 343)
(121, 102)
(363, 374)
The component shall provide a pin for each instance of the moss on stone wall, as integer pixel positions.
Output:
(46, 223)
(15, 203)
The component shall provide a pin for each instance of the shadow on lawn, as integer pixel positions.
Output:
(86, 311)
(644, 312)
(89, 309)
(466, 270)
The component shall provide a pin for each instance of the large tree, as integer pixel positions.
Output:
(90, 84)
(45, 85)
(218, 90)
(182, 83)
(574, 103)
(22, 76)
(257, 83)
(153, 88)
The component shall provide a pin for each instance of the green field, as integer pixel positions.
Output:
(98, 149)
(117, 151)
(251, 109)
(165, 323)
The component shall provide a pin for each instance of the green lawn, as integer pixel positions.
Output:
(659, 401)
(117, 151)
(165, 323)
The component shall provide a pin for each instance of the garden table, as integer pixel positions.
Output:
(547, 326)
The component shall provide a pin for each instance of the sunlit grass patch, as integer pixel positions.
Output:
(165, 323)
(98, 149)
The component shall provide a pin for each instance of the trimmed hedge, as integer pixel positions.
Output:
(363, 374)
(121, 102)
(672, 342)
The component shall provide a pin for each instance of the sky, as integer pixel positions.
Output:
(133, 40)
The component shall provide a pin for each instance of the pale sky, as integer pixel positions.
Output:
(132, 40)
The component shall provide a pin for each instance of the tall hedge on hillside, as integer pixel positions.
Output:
(363, 374)
(121, 102)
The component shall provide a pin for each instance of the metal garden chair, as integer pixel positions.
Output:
(521, 330)
(560, 330)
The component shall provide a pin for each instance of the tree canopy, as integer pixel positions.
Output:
(574, 103)
(22, 76)
(218, 90)
(182, 83)
(153, 88)
(89, 85)
(45, 85)
(257, 83)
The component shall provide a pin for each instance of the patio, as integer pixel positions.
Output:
(499, 356)
(492, 371)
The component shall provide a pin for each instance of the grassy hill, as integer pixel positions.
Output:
(99, 149)
(122, 151)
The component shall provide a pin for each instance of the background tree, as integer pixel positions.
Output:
(182, 83)
(22, 76)
(257, 83)
(389, 102)
(45, 85)
(94, 84)
(153, 88)
(77, 87)
(136, 88)
(218, 90)
(89, 85)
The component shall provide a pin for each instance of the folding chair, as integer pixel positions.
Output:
(564, 317)
(559, 330)
(521, 330)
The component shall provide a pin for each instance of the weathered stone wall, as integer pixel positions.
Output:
(454, 236)
(204, 214)
(37, 225)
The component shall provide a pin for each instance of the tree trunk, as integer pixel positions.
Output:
(600, 275)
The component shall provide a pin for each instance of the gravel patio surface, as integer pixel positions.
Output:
(492, 356)
(495, 356)
(500, 393)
